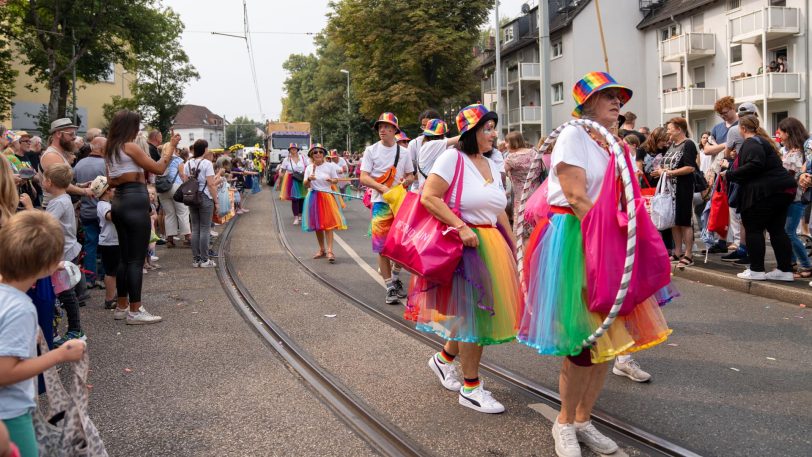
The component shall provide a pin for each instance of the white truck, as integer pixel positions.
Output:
(280, 136)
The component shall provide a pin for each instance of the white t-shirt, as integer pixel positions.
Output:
(108, 235)
(428, 154)
(481, 202)
(205, 169)
(499, 159)
(295, 165)
(324, 173)
(575, 147)
(342, 168)
(378, 159)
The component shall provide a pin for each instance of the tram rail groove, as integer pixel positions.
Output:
(379, 434)
(647, 440)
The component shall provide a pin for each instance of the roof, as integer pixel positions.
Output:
(195, 116)
(671, 8)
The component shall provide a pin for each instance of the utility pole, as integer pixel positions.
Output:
(544, 63)
(73, 57)
(349, 129)
(499, 72)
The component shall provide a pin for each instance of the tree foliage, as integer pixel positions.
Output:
(243, 130)
(402, 56)
(7, 76)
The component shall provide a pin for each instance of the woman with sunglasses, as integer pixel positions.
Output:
(322, 211)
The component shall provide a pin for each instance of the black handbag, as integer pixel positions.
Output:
(189, 192)
(163, 183)
(700, 183)
(297, 176)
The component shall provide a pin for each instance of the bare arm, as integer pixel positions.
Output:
(573, 184)
(143, 160)
(713, 149)
(51, 159)
(432, 199)
(14, 370)
(369, 181)
(211, 182)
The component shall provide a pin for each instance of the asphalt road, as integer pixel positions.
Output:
(735, 378)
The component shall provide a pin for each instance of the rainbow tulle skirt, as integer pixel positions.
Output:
(481, 305)
(556, 319)
(291, 188)
(322, 211)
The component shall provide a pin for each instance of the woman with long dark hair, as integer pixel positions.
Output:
(201, 216)
(126, 164)
(766, 192)
(793, 135)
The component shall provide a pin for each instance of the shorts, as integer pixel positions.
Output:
(110, 256)
(382, 218)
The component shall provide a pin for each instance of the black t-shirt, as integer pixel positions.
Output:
(153, 152)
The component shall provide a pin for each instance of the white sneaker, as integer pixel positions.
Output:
(208, 264)
(480, 400)
(566, 440)
(120, 313)
(778, 275)
(154, 258)
(630, 369)
(213, 233)
(593, 439)
(142, 317)
(195, 264)
(751, 275)
(446, 372)
(297, 220)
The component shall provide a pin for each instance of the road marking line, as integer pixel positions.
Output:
(361, 263)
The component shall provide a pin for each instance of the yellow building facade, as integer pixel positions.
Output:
(89, 99)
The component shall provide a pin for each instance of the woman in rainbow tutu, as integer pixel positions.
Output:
(322, 208)
(556, 320)
(482, 304)
(292, 187)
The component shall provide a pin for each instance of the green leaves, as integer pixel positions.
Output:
(245, 130)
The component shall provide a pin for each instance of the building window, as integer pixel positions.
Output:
(733, 4)
(509, 34)
(736, 53)
(669, 32)
(211, 137)
(558, 49)
(110, 77)
(698, 23)
(700, 125)
(558, 92)
(779, 116)
(699, 77)
(191, 136)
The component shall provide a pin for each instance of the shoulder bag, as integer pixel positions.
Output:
(189, 192)
(663, 207)
(164, 183)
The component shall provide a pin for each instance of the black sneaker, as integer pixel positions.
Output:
(213, 254)
(398, 285)
(716, 249)
(732, 257)
(742, 261)
(392, 296)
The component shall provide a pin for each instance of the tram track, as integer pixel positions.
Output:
(382, 436)
(644, 440)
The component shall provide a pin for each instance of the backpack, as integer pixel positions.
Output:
(189, 192)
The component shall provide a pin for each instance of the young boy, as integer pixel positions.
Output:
(57, 180)
(31, 243)
(108, 239)
(386, 164)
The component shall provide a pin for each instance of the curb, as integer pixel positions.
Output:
(764, 289)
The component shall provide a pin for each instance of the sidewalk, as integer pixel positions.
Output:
(723, 274)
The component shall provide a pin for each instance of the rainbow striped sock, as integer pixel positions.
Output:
(469, 385)
(445, 357)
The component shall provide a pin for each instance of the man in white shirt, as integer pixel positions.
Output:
(417, 143)
(386, 164)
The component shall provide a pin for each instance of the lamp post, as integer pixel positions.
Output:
(349, 141)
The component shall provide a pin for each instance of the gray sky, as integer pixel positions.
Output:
(225, 85)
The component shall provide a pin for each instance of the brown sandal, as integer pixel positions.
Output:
(319, 254)
(803, 273)
(331, 257)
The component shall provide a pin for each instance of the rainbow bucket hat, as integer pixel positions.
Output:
(387, 118)
(316, 147)
(401, 136)
(592, 83)
(470, 116)
(435, 127)
(293, 146)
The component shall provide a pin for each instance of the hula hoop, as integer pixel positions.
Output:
(531, 185)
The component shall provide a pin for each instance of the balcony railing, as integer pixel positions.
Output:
(690, 45)
(525, 115)
(773, 21)
(525, 71)
(780, 86)
(693, 99)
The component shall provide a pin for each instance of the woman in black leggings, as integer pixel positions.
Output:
(126, 163)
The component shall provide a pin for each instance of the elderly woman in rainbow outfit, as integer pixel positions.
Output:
(293, 188)
(556, 319)
(322, 209)
(482, 304)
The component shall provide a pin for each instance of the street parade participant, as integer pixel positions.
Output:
(433, 145)
(292, 187)
(342, 168)
(126, 164)
(402, 139)
(482, 304)
(557, 319)
(417, 143)
(385, 164)
(322, 209)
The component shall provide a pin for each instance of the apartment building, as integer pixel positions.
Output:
(90, 97)
(678, 56)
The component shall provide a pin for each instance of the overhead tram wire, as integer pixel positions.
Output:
(249, 44)
(253, 33)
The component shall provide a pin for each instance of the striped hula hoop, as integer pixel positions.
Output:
(533, 182)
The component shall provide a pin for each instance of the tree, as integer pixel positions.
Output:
(7, 76)
(116, 104)
(56, 37)
(245, 130)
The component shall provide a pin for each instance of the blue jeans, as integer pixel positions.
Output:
(89, 263)
(794, 216)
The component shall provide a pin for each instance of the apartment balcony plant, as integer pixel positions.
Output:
(690, 46)
(772, 21)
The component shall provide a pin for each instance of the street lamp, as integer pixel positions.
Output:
(349, 141)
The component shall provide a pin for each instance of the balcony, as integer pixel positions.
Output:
(686, 100)
(525, 72)
(780, 86)
(773, 21)
(525, 115)
(688, 45)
